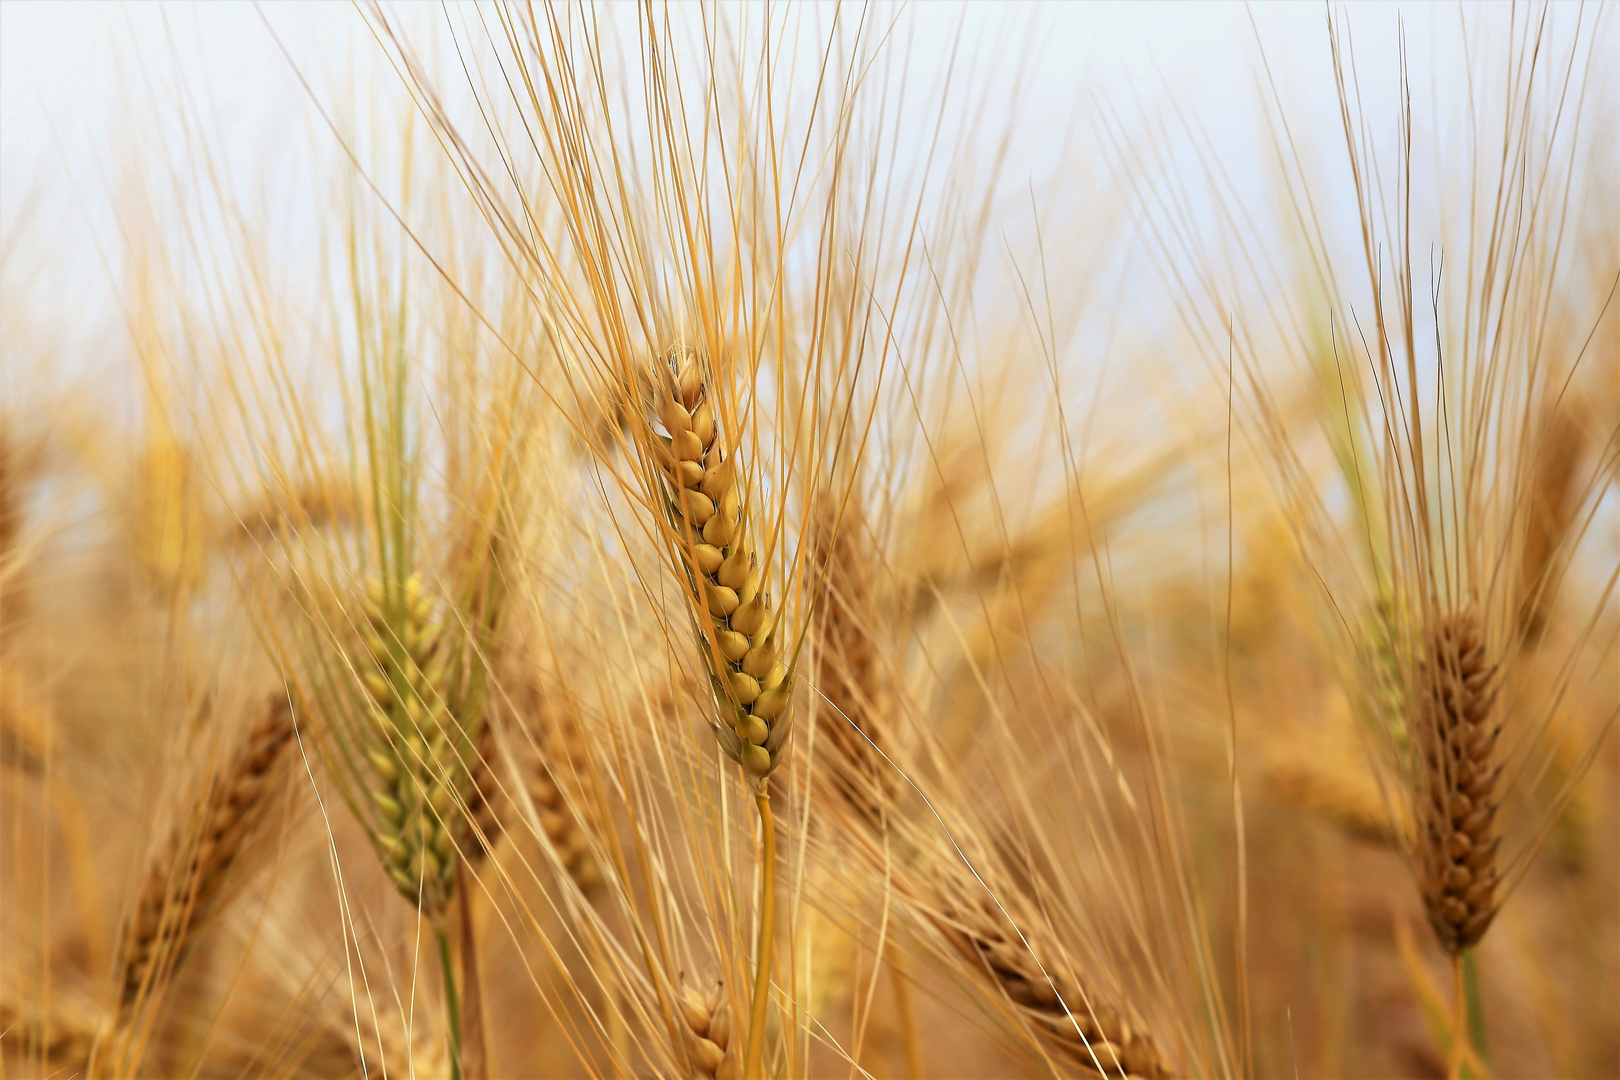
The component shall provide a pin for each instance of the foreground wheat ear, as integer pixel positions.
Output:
(707, 510)
(1456, 734)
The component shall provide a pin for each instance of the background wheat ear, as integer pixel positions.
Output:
(555, 773)
(1094, 1034)
(199, 859)
(854, 725)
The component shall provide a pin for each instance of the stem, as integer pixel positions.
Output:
(1459, 1021)
(908, 1021)
(452, 1007)
(476, 1063)
(1476, 1005)
(754, 1057)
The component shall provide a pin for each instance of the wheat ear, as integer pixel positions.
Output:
(420, 784)
(707, 512)
(707, 1020)
(1457, 800)
(1094, 1034)
(68, 1038)
(484, 800)
(560, 757)
(184, 882)
(846, 664)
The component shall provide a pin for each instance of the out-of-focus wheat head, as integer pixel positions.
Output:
(1437, 489)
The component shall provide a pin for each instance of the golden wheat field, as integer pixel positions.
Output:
(741, 541)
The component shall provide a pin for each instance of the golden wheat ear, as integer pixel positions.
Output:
(200, 858)
(707, 509)
(1457, 798)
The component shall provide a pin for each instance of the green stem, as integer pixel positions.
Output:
(754, 1057)
(1476, 1005)
(452, 1007)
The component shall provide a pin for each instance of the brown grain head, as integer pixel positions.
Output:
(1454, 721)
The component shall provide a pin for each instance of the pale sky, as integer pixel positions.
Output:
(83, 86)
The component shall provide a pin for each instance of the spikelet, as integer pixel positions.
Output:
(419, 784)
(1091, 1033)
(1457, 732)
(185, 881)
(708, 1028)
(707, 510)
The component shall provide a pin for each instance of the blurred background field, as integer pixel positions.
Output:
(1057, 402)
